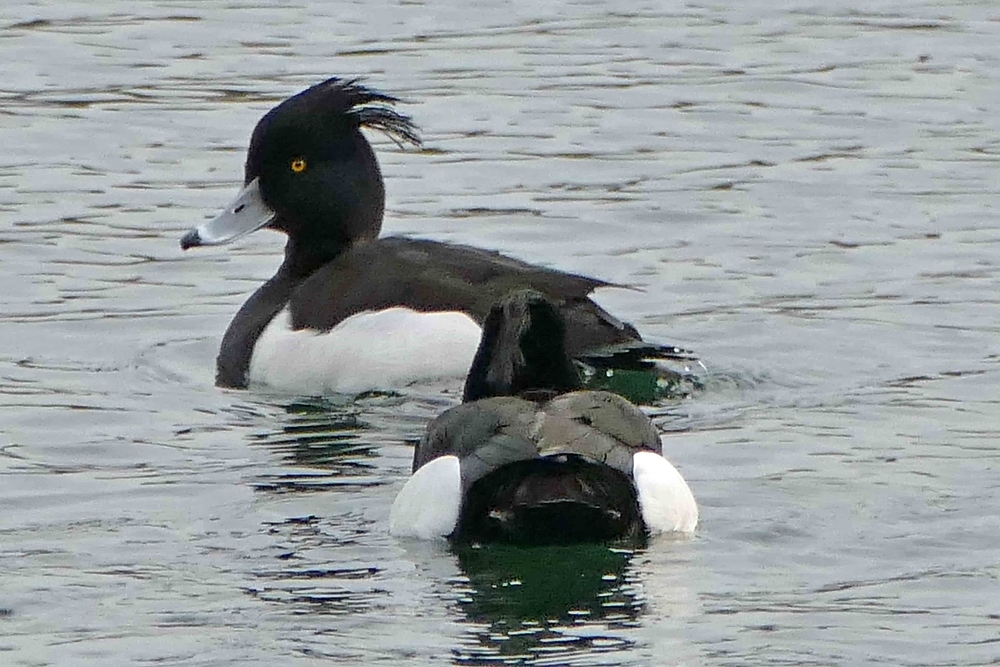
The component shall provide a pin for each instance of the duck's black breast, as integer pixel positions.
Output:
(237, 345)
(430, 276)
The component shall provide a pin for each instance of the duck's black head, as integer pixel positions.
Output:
(522, 350)
(311, 173)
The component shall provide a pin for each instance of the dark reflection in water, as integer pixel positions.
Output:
(336, 441)
(322, 435)
(328, 437)
(545, 604)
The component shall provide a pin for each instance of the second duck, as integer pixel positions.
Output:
(530, 458)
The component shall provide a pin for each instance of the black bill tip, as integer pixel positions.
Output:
(190, 240)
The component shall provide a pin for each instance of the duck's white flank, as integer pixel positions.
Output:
(370, 350)
(665, 499)
(428, 504)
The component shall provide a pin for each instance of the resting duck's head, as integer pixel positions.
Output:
(311, 173)
(522, 350)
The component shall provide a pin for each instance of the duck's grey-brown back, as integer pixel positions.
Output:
(597, 425)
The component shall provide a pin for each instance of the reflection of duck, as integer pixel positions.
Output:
(528, 458)
(556, 582)
(321, 443)
(348, 311)
(552, 601)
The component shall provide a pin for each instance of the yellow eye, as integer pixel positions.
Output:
(298, 165)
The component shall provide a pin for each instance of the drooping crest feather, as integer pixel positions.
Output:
(366, 107)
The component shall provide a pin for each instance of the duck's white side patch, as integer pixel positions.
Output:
(370, 350)
(428, 504)
(665, 499)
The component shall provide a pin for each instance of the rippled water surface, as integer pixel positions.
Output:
(805, 193)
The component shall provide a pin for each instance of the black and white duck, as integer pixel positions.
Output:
(348, 311)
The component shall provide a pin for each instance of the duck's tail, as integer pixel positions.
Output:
(558, 499)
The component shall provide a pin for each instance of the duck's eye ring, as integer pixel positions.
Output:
(298, 165)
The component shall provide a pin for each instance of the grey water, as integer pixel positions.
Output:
(804, 193)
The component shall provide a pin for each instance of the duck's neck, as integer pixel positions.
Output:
(303, 257)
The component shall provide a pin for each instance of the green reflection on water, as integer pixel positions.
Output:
(551, 601)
